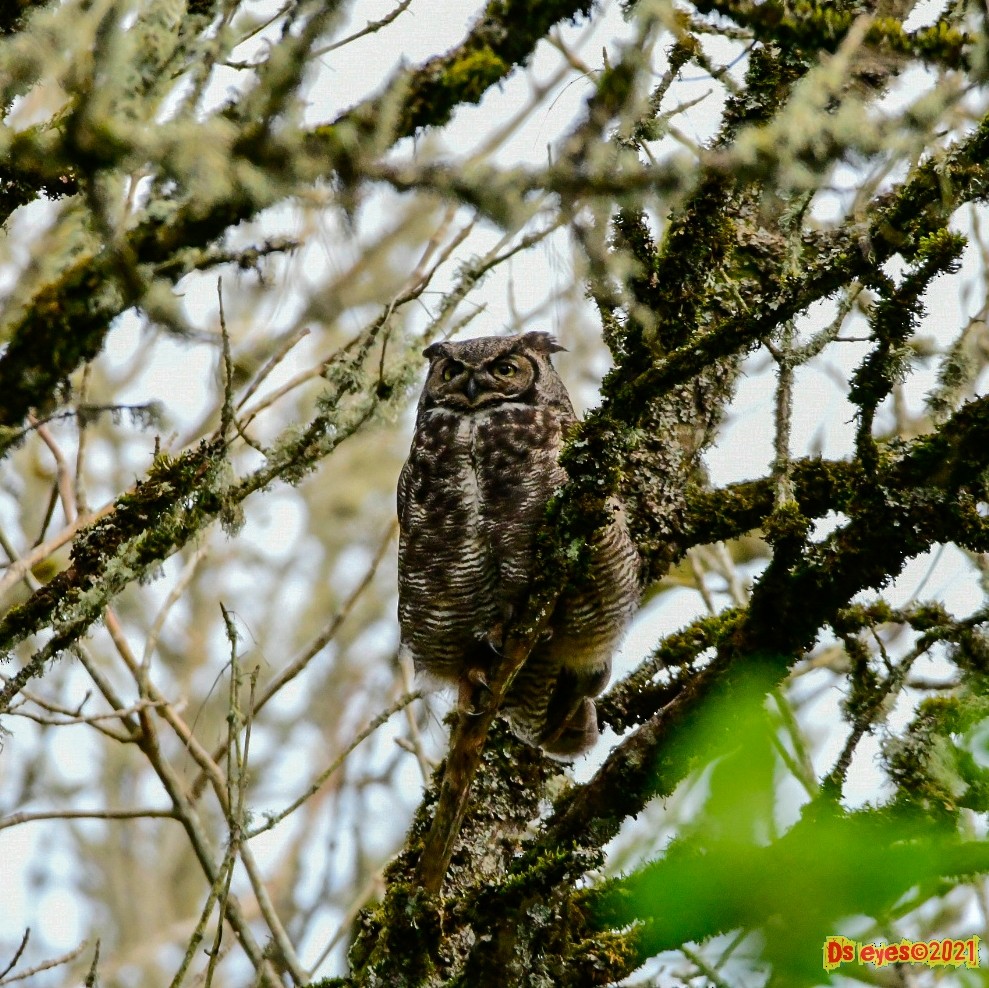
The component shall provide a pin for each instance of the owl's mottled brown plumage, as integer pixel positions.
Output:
(471, 498)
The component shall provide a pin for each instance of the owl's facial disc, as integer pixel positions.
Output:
(504, 378)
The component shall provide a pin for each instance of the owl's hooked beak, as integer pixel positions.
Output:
(470, 388)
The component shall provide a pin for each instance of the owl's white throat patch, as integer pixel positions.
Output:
(466, 428)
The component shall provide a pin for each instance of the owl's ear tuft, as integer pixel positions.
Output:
(542, 342)
(435, 350)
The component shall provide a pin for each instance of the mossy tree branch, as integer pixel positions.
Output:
(67, 322)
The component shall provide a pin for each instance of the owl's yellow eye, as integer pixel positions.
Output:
(506, 369)
(449, 372)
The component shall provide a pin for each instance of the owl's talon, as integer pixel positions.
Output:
(478, 677)
(495, 638)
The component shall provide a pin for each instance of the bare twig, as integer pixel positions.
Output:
(227, 405)
(66, 489)
(370, 28)
(220, 888)
(198, 840)
(147, 812)
(199, 933)
(237, 756)
(300, 662)
(92, 978)
(79, 476)
(320, 642)
(864, 722)
(799, 764)
(15, 572)
(106, 688)
(698, 571)
(271, 820)
(66, 958)
(414, 743)
(95, 721)
(285, 347)
(704, 968)
(17, 955)
(373, 887)
(783, 418)
(174, 595)
(161, 704)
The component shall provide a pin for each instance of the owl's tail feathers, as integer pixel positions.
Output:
(575, 735)
(571, 725)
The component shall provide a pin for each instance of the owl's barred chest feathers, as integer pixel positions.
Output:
(466, 475)
(497, 454)
(472, 499)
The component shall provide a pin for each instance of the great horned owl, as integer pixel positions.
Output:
(472, 496)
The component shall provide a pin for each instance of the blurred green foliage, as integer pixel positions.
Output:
(731, 869)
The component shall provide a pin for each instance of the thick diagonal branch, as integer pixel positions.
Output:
(467, 745)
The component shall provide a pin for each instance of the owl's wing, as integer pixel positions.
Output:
(403, 487)
(565, 415)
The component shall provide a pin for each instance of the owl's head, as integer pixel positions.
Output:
(491, 370)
